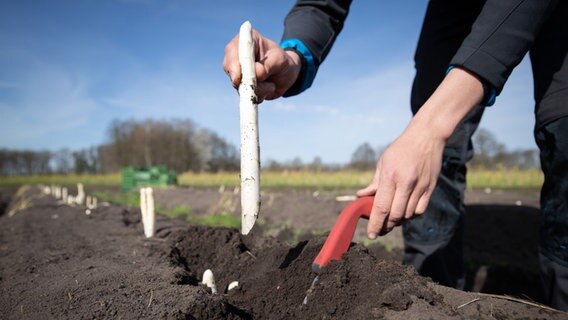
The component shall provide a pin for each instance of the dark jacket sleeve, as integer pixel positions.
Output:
(501, 36)
(316, 24)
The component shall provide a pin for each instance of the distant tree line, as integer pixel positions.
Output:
(492, 154)
(489, 154)
(178, 144)
(183, 146)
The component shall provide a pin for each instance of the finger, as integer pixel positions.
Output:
(381, 207)
(270, 64)
(367, 191)
(423, 203)
(398, 208)
(231, 64)
(264, 90)
(412, 203)
(371, 189)
(269, 90)
(258, 44)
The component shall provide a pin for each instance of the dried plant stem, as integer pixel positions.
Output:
(534, 304)
(465, 304)
(151, 297)
(508, 298)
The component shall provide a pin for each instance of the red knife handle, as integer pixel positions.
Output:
(342, 232)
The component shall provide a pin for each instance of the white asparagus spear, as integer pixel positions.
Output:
(250, 150)
(209, 280)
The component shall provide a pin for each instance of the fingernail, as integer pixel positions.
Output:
(372, 235)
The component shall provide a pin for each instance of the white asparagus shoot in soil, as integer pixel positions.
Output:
(209, 280)
(233, 285)
(250, 150)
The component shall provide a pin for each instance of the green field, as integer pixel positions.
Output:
(510, 178)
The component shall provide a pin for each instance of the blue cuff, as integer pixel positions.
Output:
(310, 65)
(489, 95)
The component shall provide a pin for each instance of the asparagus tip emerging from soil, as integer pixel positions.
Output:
(209, 280)
(232, 285)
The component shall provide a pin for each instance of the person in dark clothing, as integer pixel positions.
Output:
(466, 52)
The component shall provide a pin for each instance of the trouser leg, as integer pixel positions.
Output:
(433, 242)
(552, 140)
(549, 57)
(555, 282)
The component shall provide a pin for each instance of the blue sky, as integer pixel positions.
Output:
(67, 68)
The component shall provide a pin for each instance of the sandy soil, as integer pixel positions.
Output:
(58, 262)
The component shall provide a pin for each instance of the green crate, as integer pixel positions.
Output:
(133, 177)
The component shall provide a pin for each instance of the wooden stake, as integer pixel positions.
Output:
(250, 150)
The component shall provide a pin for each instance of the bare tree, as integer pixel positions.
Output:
(491, 154)
(63, 161)
(316, 164)
(363, 158)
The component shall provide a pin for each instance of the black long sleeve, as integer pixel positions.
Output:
(501, 36)
(316, 24)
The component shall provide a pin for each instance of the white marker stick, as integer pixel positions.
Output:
(150, 225)
(143, 206)
(250, 150)
(64, 194)
(80, 194)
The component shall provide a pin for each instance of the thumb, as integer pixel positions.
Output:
(268, 65)
(367, 191)
(371, 189)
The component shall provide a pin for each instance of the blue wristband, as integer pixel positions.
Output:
(310, 65)
(489, 94)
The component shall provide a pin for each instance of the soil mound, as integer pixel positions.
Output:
(58, 262)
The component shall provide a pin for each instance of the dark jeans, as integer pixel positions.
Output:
(433, 242)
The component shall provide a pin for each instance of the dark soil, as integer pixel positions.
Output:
(56, 262)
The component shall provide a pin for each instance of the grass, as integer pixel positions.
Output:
(344, 179)
(505, 179)
(216, 220)
(285, 179)
(67, 179)
(128, 199)
(132, 200)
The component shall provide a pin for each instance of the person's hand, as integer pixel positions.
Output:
(408, 170)
(276, 69)
(404, 179)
